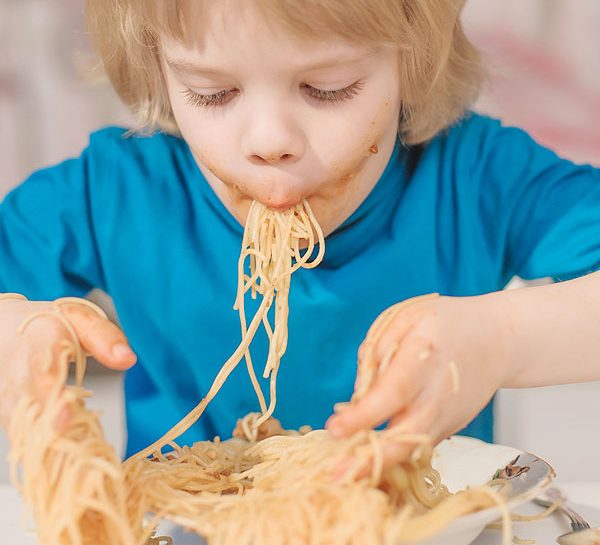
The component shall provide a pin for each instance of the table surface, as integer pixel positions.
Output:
(584, 497)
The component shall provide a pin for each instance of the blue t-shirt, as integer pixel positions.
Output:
(134, 216)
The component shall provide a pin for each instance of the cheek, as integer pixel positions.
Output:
(361, 142)
(210, 147)
(207, 137)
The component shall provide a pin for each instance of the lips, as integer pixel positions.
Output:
(278, 193)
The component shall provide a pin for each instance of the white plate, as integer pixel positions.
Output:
(462, 462)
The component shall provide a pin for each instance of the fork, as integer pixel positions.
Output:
(556, 496)
(581, 533)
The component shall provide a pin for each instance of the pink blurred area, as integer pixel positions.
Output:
(543, 60)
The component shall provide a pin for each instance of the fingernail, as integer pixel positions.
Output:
(335, 430)
(121, 350)
(340, 407)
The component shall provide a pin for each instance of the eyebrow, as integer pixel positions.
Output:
(184, 65)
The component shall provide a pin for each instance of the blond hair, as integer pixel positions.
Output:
(439, 68)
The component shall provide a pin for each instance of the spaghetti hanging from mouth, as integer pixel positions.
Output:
(271, 245)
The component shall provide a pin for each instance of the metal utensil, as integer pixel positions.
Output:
(581, 533)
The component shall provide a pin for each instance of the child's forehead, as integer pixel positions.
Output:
(359, 21)
(245, 39)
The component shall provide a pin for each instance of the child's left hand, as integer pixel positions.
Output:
(428, 365)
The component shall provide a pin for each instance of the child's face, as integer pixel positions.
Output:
(277, 119)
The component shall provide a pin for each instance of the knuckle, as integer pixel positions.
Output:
(395, 453)
(75, 309)
(112, 333)
(367, 413)
(361, 351)
(383, 400)
(93, 330)
(46, 329)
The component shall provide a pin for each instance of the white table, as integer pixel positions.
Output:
(583, 496)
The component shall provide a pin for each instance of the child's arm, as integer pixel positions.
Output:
(519, 209)
(551, 333)
(449, 355)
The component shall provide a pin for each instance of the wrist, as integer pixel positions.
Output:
(499, 317)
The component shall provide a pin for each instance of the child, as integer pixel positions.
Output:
(360, 107)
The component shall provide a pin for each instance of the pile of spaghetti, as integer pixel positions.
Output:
(264, 486)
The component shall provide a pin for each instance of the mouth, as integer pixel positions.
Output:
(280, 205)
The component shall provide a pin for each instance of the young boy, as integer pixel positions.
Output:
(360, 107)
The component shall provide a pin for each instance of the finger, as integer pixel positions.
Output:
(405, 433)
(45, 387)
(341, 470)
(347, 468)
(393, 390)
(101, 338)
(418, 426)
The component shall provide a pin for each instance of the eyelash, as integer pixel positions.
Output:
(209, 101)
(223, 97)
(337, 96)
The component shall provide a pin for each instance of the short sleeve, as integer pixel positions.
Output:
(47, 242)
(547, 208)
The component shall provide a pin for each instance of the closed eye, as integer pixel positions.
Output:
(226, 95)
(208, 101)
(334, 96)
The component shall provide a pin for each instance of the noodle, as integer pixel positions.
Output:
(520, 541)
(272, 242)
(71, 478)
(266, 485)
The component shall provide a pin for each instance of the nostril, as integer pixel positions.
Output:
(257, 159)
(271, 159)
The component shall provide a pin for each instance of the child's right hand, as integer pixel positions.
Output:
(23, 355)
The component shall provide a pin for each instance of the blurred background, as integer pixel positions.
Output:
(544, 76)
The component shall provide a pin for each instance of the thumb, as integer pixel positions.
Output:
(99, 336)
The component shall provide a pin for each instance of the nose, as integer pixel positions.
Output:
(272, 137)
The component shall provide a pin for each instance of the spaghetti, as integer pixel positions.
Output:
(69, 476)
(266, 485)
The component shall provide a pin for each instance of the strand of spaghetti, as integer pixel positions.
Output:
(531, 518)
(184, 424)
(239, 304)
(273, 398)
(282, 287)
(264, 241)
(72, 479)
(276, 258)
(321, 239)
